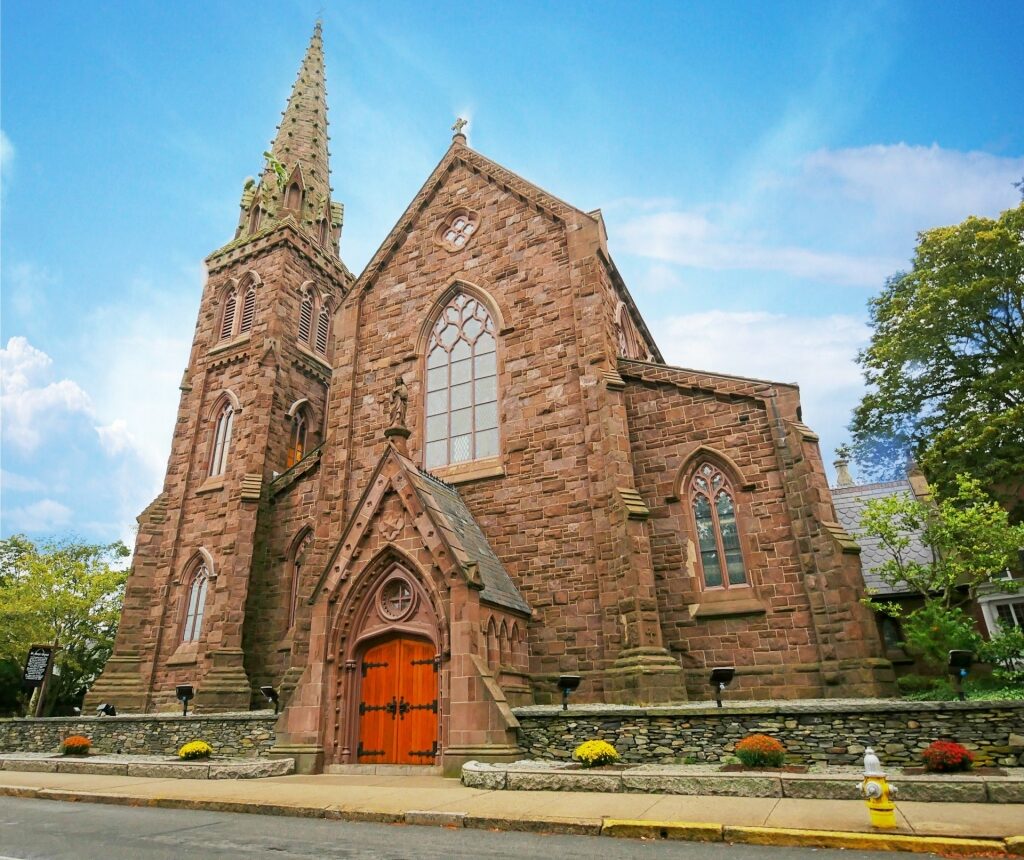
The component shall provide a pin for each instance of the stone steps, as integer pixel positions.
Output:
(151, 766)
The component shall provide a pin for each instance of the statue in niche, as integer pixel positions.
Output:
(399, 404)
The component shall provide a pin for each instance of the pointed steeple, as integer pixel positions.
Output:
(296, 180)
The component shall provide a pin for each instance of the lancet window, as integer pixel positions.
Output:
(714, 512)
(195, 606)
(462, 385)
(222, 439)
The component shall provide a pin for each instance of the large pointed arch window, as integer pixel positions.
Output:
(222, 439)
(462, 385)
(195, 607)
(297, 441)
(714, 512)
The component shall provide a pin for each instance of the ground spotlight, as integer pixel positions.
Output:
(721, 677)
(184, 694)
(959, 664)
(106, 710)
(270, 694)
(567, 683)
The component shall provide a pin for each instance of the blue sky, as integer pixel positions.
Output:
(761, 167)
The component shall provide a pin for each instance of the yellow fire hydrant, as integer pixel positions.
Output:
(877, 792)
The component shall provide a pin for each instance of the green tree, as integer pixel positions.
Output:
(972, 543)
(945, 365)
(65, 593)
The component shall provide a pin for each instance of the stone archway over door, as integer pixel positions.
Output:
(398, 702)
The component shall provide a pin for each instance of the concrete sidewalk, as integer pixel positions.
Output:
(438, 801)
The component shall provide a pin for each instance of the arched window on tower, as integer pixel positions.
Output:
(293, 197)
(195, 605)
(325, 231)
(297, 442)
(462, 385)
(255, 217)
(248, 309)
(712, 502)
(323, 328)
(227, 319)
(305, 317)
(222, 439)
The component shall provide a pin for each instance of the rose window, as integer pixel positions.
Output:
(396, 599)
(456, 232)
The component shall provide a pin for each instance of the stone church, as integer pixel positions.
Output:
(410, 500)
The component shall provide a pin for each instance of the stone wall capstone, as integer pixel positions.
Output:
(814, 732)
(245, 734)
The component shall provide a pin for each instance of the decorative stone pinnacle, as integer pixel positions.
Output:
(460, 124)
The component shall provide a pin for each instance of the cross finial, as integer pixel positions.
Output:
(460, 124)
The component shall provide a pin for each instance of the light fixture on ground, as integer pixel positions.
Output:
(106, 710)
(184, 694)
(270, 694)
(721, 677)
(567, 683)
(959, 664)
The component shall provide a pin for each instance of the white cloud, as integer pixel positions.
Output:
(41, 516)
(690, 239)
(116, 438)
(15, 483)
(6, 158)
(29, 403)
(844, 216)
(817, 352)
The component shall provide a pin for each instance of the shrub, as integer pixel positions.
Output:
(761, 751)
(944, 756)
(595, 753)
(195, 749)
(75, 745)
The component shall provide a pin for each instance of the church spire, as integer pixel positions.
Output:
(296, 180)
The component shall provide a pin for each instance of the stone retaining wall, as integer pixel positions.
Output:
(823, 731)
(145, 734)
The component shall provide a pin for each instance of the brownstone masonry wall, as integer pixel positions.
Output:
(228, 734)
(813, 731)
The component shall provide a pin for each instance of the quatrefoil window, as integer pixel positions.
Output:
(457, 229)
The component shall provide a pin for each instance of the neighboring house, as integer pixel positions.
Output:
(993, 605)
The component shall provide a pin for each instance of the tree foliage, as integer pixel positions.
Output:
(65, 593)
(945, 365)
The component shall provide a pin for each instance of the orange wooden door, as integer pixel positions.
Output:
(417, 703)
(378, 704)
(398, 713)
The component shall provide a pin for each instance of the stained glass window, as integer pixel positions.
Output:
(718, 540)
(462, 385)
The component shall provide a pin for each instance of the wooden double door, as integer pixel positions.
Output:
(398, 703)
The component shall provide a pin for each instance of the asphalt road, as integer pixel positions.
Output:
(52, 830)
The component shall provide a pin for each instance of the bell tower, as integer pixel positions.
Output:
(253, 404)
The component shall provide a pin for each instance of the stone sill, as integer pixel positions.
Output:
(211, 485)
(713, 606)
(795, 706)
(476, 470)
(230, 344)
(317, 357)
(161, 767)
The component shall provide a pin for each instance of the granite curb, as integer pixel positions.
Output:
(609, 827)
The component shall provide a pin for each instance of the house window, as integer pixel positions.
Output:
(1010, 614)
(222, 440)
(714, 514)
(462, 385)
(227, 321)
(196, 605)
(297, 443)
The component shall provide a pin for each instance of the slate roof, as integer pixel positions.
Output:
(850, 503)
(467, 541)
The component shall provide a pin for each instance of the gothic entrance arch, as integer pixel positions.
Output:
(398, 702)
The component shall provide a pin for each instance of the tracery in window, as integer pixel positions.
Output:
(462, 385)
(714, 514)
(297, 442)
(222, 439)
(457, 229)
(196, 604)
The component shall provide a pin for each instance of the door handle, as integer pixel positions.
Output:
(403, 708)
